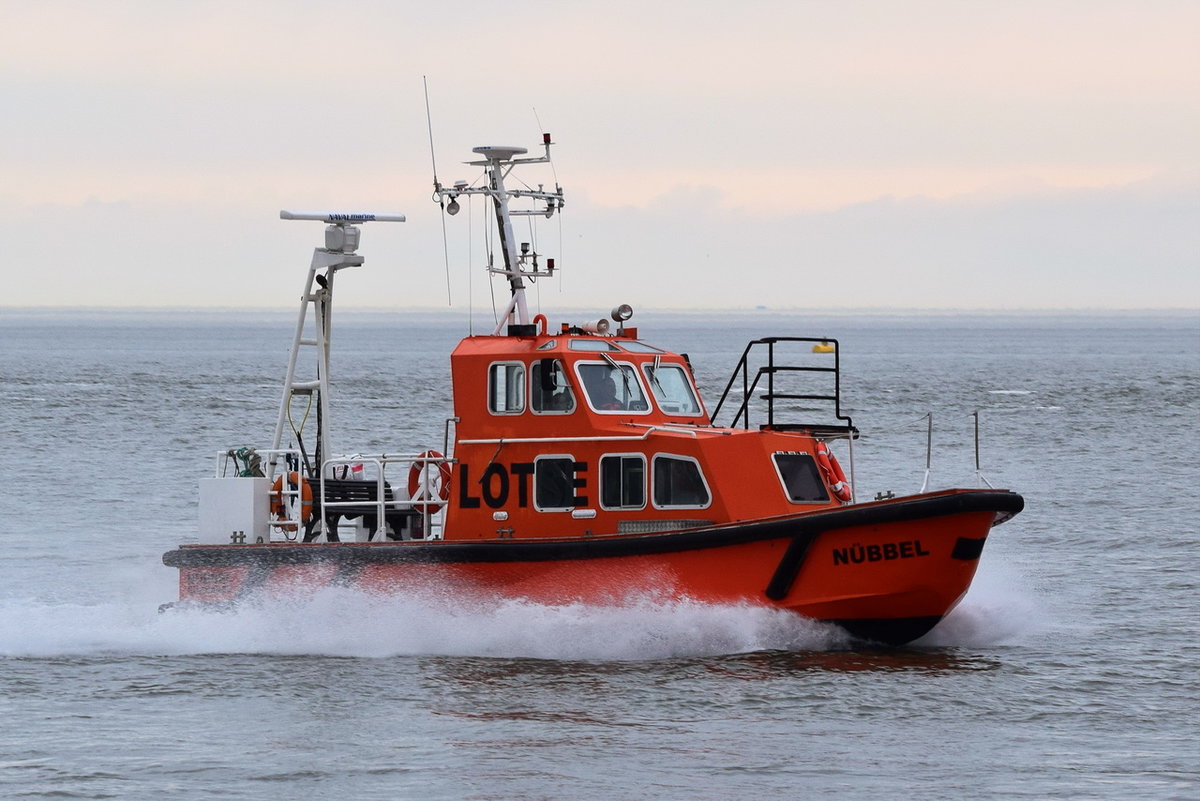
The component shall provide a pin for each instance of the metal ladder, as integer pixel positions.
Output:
(341, 241)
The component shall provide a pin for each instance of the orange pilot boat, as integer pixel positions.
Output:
(581, 465)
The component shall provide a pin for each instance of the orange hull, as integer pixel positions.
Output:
(584, 467)
(886, 571)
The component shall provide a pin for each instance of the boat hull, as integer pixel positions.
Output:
(886, 571)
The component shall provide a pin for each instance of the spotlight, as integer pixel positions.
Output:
(452, 207)
(622, 312)
(601, 326)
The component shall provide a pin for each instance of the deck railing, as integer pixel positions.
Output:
(767, 374)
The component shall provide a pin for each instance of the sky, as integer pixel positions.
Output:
(878, 154)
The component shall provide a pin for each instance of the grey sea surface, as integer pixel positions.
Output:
(1069, 670)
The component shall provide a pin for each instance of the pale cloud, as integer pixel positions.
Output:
(878, 138)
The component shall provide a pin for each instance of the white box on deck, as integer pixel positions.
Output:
(234, 511)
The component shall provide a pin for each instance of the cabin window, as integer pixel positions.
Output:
(506, 388)
(554, 483)
(800, 477)
(679, 482)
(623, 481)
(633, 346)
(550, 391)
(612, 387)
(594, 345)
(671, 388)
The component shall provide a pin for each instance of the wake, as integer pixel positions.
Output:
(347, 622)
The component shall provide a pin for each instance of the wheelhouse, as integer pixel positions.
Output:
(563, 375)
(580, 434)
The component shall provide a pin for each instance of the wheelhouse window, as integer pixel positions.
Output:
(554, 483)
(678, 482)
(593, 345)
(800, 477)
(550, 391)
(672, 389)
(612, 387)
(506, 388)
(623, 481)
(634, 346)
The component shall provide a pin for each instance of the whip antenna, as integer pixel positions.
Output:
(557, 188)
(436, 187)
(541, 129)
(429, 124)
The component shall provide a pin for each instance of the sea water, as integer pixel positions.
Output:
(1069, 671)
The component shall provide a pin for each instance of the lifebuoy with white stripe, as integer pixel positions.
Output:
(832, 471)
(429, 481)
(281, 501)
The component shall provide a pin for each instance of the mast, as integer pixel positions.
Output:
(341, 241)
(520, 261)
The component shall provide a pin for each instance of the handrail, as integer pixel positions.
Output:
(270, 457)
(380, 495)
(979, 470)
(769, 370)
(650, 429)
(381, 461)
(290, 494)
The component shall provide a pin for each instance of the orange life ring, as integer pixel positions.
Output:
(832, 471)
(429, 487)
(279, 506)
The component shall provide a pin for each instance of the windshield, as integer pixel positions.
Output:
(671, 389)
(612, 387)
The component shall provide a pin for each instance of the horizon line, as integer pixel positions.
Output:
(841, 310)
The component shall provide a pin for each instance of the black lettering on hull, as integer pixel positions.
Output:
(495, 485)
(857, 554)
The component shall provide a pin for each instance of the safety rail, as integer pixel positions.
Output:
(769, 371)
(288, 490)
(429, 501)
(263, 463)
(979, 476)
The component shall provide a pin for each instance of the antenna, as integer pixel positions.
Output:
(542, 130)
(429, 123)
(341, 233)
(340, 217)
(558, 188)
(520, 262)
(437, 188)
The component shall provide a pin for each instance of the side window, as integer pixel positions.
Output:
(678, 482)
(671, 389)
(800, 478)
(550, 392)
(612, 387)
(623, 481)
(554, 483)
(506, 388)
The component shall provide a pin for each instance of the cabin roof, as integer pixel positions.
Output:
(580, 345)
